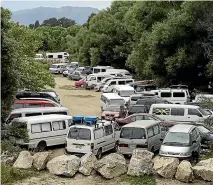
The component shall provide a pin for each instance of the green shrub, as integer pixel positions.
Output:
(10, 147)
(145, 180)
(10, 174)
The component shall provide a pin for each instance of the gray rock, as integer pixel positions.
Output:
(40, 160)
(140, 163)
(64, 165)
(111, 166)
(184, 172)
(166, 166)
(88, 162)
(24, 160)
(204, 169)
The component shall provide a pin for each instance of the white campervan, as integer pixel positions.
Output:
(176, 96)
(123, 72)
(180, 113)
(45, 130)
(99, 69)
(110, 99)
(57, 68)
(97, 139)
(125, 91)
(93, 79)
(108, 87)
(38, 111)
(144, 134)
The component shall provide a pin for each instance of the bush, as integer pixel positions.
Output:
(10, 147)
(145, 180)
(10, 174)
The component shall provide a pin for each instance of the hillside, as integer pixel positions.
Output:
(29, 16)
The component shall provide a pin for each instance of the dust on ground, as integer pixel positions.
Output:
(82, 102)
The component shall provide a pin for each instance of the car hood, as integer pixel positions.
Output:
(174, 149)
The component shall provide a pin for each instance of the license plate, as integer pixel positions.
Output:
(132, 146)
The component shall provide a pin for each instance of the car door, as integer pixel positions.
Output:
(193, 115)
(109, 137)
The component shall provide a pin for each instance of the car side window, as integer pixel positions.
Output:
(33, 114)
(150, 132)
(139, 118)
(194, 112)
(177, 111)
(156, 129)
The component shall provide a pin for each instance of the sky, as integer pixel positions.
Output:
(15, 5)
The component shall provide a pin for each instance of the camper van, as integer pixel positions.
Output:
(44, 131)
(96, 78)
(97, 139)
(180, 113)
(99, 69)
(59, 56)
(125, 91)
(57, 68)
(123, 72)
(176, 96)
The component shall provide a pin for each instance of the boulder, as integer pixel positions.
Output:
(204, 169)
(140, 163)
(112, 165)
(24, 160)
(184, 172)
(64, 165)
(40, 160)
(166, 166)
(87, 164)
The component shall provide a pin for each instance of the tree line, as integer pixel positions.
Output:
(170, 42)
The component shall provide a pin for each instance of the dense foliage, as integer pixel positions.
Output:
(170, 42)
(19, 70)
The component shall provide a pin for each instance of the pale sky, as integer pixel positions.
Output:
(21, 5)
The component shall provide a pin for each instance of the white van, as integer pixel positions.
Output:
(143, 134)
(108, 87)
(124, 72)
(110, 99)
(93, 79)
(125, 91)
(57, 68)
(82, 139)
(174, 112)
(27, 112)
(176, 96)
(45, 130)
(99, 69)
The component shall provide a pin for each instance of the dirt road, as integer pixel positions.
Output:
(82, 102)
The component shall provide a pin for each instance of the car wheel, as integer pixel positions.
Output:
(82, 86)
(99, 153)
(41, 146)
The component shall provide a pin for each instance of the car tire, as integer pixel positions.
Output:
(99, 153)
(41, 146)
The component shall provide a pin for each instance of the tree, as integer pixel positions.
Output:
(31, 26)
(37, 24)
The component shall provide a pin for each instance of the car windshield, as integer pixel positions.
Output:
(126, 93)
(133, 133)
(203, 112)
(105, 80)
(113, 108)
(176, 139)
(116, 102)
(53, 66)
(137, 109)
(79, 133)
(203, 130)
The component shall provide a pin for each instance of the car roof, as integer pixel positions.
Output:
(142, 123)
(169, 90)
(185, 128)
(112, 96)
(42, 118)
(32, 101)
(39, 109)
(124, 87)
(175, 106)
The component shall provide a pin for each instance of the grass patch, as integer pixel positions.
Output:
(145, 180)
(10, 174)
(208, 155)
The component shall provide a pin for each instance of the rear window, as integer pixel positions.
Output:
(79, 133)
(137, 109)
(133, 133)
(62, 113)
(178, 94)
(166, 94)
(33, 114)
(116, 102)
(32, 105)
(48, 105)
(12, 116)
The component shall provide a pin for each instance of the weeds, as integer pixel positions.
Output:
(10, 174)
(145, 180)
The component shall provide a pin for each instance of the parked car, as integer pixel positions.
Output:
(137, 109)
(75, 76)
(136, 117)
(57, 68)
(32, 104)
(135, 97)
(113, 112)
(52, 93)
(80, 83)
(182, 141)
(97, 139)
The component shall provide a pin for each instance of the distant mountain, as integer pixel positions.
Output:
(29, 16)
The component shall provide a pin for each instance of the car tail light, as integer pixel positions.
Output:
(92, 147)
(123, 145)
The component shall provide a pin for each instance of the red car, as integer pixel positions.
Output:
(80, 83)
(139, 116)
(32, 104)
